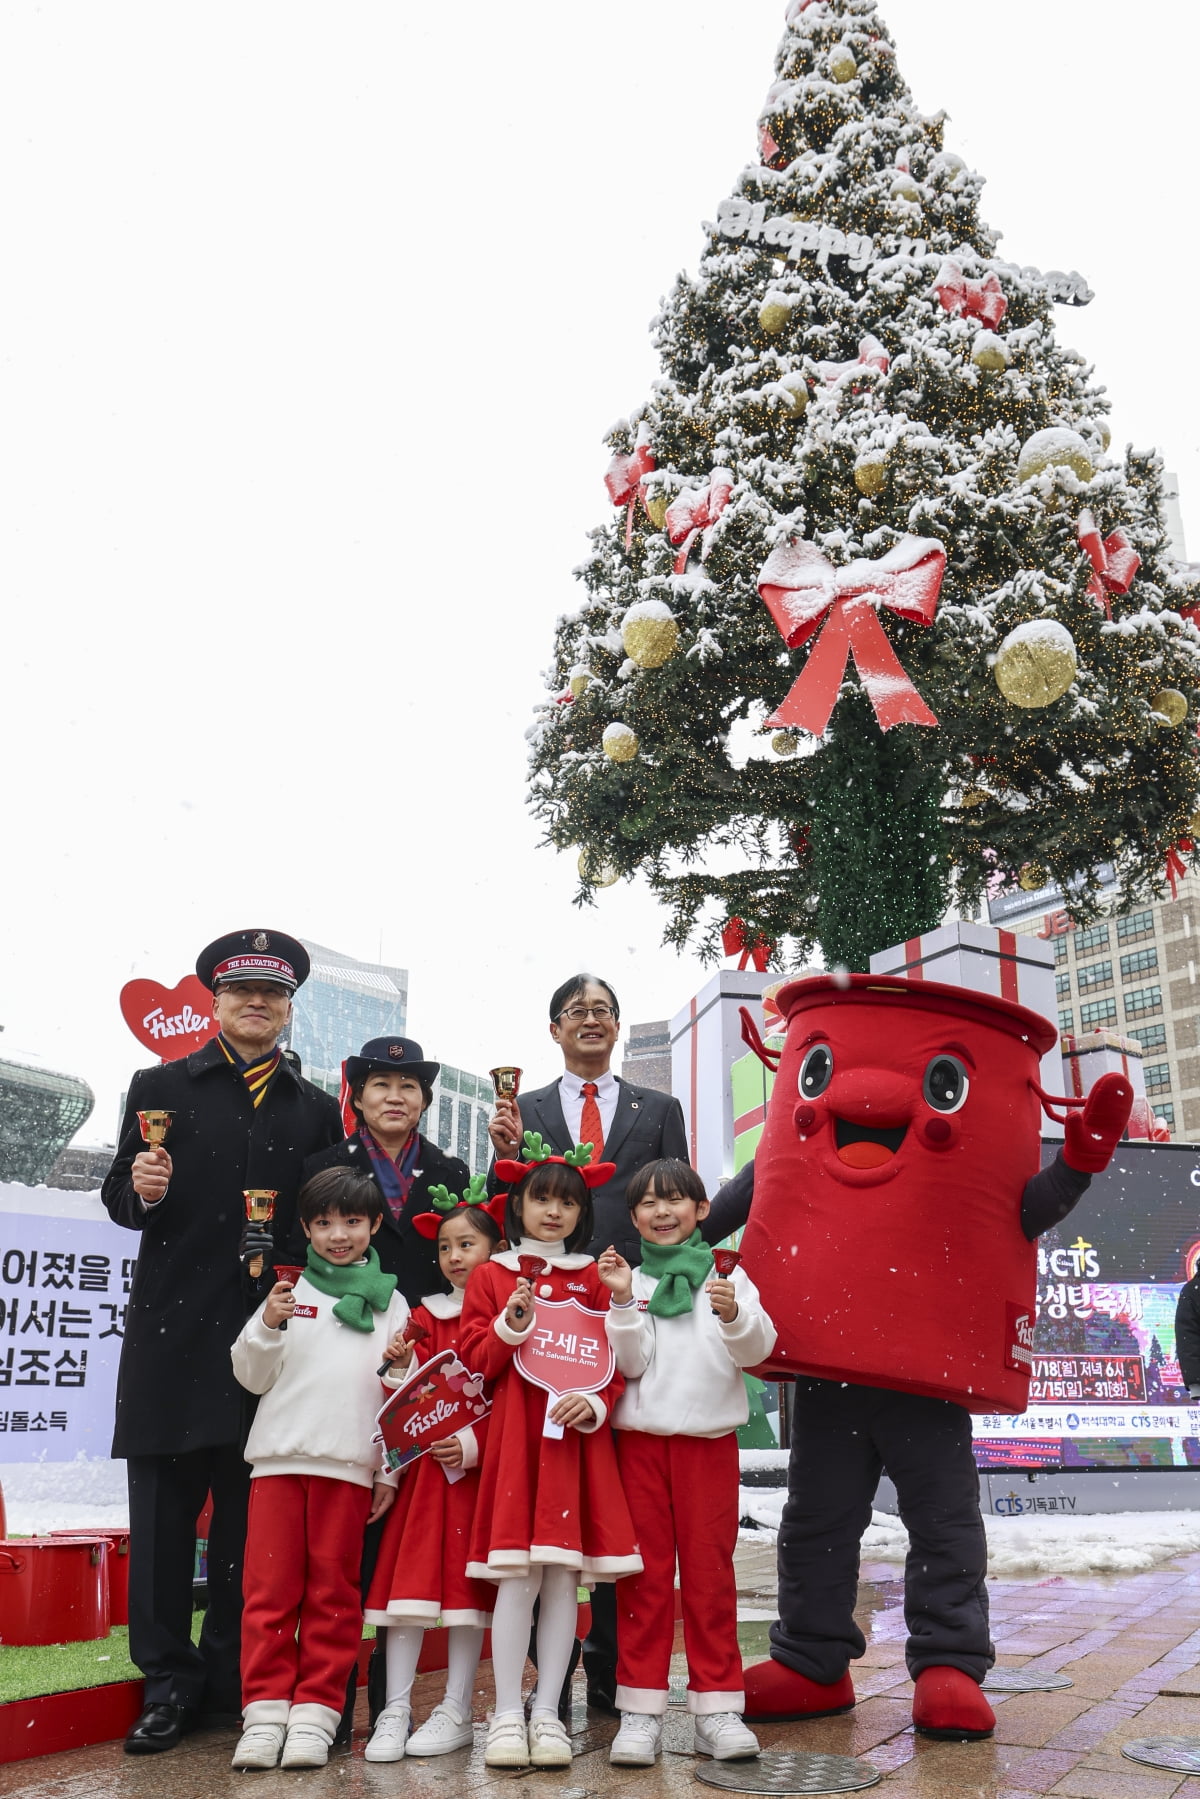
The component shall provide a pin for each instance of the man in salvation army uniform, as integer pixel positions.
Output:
(242, 1117)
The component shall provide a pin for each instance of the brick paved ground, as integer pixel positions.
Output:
(1130, 1644)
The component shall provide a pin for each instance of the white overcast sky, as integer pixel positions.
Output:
(313, 320)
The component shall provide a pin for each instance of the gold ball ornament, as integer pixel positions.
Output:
(619, 743)
(905, 188)
(578, 682)
(870, 474)
(1055, 448)
(842, 66)
(1193, 827)
(597, 870)
(972, 797)
(1031, 877)
(656, 507)
(649, 633)
(785, 743)
(1103, 431)
(773, 315)
(1036, 663)
(1169, 707)
(989, 352)
(796, 388)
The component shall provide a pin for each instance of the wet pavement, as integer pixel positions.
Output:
(1130, 1644)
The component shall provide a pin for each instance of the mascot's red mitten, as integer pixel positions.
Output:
(1093, 1134)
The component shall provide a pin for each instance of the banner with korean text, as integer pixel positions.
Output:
(65, 1271)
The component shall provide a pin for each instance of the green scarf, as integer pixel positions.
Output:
(680, 1270)
(361, 1288)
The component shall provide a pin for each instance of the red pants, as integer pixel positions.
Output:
(683, 1497)
(302, 1620)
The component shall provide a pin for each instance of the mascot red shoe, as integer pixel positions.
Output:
(897, 1203)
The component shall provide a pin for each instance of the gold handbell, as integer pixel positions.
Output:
(155, 1127)
(506, 1081)
(260, 1209)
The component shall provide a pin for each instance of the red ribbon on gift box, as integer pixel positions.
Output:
(983, 300)
(1176, 867)
(737, 941)
(871, 355)
(1114, 561)
(801, 586)
(695, 513)
(626, 482)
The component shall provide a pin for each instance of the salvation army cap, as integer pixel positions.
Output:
(391, 1055)
(254, 956)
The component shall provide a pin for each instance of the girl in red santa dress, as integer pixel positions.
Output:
(420, 1575)
(551, 1512)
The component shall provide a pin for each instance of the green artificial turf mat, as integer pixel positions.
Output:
(61, 1667)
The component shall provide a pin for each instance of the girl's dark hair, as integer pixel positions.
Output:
(546, 1179)
(669, 1175)
(342, 1190)
(479, 1220)
(356, 1091)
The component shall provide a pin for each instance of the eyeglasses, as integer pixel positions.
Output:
(577, 1014)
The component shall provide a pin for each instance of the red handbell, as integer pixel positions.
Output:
(1114, 561)
(626, 481)
(695, 513)
(531, 1266)
(414, 1331)
(725, 1261)
(983, 300)
(800, 586)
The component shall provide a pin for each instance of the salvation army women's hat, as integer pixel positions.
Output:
(391, 1055)
(254, 956)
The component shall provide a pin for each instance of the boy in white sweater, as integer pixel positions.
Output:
(315, 1474)
(681, 1340)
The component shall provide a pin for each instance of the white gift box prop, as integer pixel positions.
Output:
(706, 1040)
(986, 960)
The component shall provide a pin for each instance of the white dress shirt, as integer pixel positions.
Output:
(570, 1097)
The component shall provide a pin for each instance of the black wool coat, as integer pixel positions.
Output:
(402, 1250)
(190, 1297)
(646, 1126)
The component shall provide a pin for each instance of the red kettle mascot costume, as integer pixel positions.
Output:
(897, 1203)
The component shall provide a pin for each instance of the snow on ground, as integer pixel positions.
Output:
(1105, 1543)
(42, 1496)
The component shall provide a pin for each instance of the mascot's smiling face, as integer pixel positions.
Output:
(885, 1235)
(867, 1118)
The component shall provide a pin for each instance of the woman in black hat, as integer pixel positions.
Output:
(391, 1087)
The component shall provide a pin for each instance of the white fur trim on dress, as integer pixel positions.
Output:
(424, 1613)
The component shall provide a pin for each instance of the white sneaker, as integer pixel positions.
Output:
(442, 1731)
(307, 1746)
(638, 1742)
(507, 1743)
(723, 1736)
(259, 1746)
(387, 1742)
(549, 1744)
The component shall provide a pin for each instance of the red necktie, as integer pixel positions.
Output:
(590, 1128)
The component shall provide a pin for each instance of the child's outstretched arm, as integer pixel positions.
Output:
(747, 1332)
(629, 1331)
(491, 1328)
(258, 1352)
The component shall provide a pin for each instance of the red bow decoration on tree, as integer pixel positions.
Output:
(768, 149)
(626, 481)
(800, 585)
(983, 300)
(696, 511)
(871, 355)
(1176, 867)
(737, 941)
(1114, 561)
(795, 9)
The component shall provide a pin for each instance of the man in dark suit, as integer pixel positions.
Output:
(626, 1125)
(241, 1118)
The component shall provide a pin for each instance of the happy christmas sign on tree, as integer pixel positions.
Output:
(869, 524)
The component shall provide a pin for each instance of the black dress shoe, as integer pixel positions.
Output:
(159, 1727)
(601, 1690)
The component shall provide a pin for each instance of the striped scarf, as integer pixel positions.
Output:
(257, 1075)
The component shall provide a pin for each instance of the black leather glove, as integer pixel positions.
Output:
(256, 1241)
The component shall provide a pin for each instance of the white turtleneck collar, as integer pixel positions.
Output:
(556, 1254)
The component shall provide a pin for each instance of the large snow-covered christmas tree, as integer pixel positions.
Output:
(876, 621)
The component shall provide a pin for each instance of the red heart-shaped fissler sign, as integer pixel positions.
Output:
(170, 1021)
